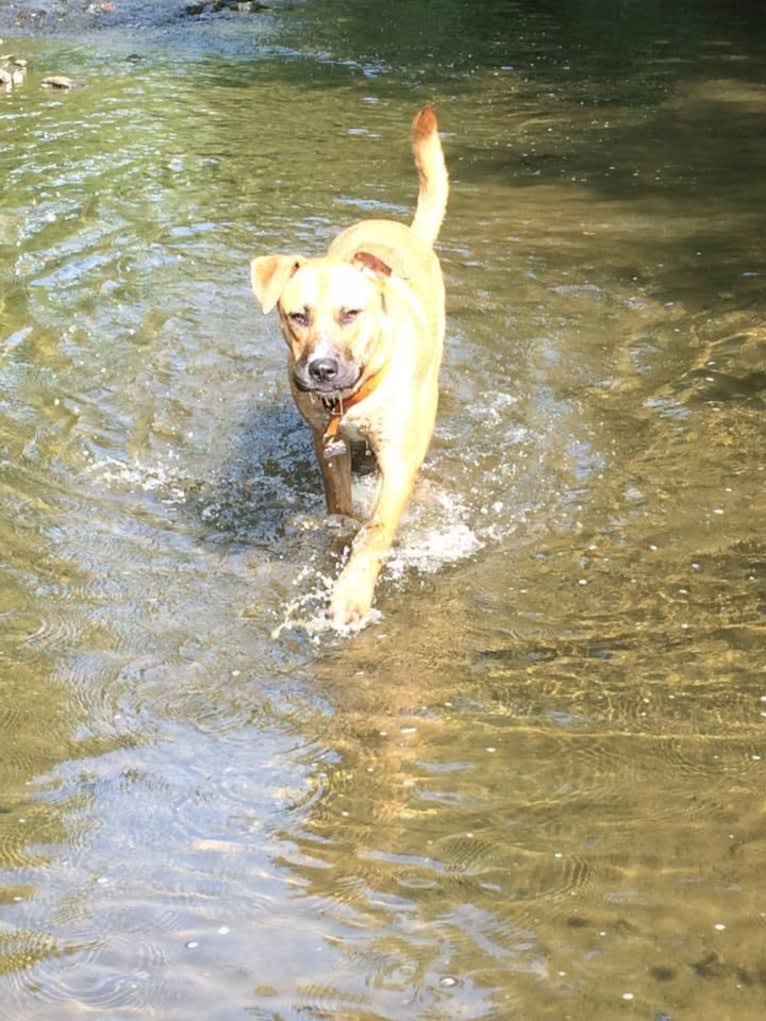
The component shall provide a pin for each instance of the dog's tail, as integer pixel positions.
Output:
(432, 176)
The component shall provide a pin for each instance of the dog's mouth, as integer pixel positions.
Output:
(339, 384)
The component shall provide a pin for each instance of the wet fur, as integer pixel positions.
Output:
(374, 305)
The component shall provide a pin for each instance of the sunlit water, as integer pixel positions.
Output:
(532, 787)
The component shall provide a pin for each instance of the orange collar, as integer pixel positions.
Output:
(340, 406)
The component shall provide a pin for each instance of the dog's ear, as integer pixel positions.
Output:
(269, 275)
(371, 262)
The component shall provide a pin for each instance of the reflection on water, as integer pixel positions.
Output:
(533, 788)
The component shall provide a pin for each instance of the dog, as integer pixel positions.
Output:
(364, 326)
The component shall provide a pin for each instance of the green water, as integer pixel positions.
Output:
(533, 787)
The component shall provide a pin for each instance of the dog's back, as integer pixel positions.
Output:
(407, 251)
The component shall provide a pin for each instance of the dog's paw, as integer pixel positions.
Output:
(350, 603)
(349, 612)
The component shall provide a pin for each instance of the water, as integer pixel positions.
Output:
(532, 787)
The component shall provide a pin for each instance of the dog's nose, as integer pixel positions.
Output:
(323, 370)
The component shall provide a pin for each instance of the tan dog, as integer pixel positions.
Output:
(364, 326)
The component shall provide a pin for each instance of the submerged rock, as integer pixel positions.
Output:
(59, 81)
(19, 69)
(213, 6)
(13, 71)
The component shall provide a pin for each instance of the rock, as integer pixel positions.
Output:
(59, 81)
(214, 6)
(17, 69)
(13, 71)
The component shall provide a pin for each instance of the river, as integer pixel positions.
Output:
(532, 787)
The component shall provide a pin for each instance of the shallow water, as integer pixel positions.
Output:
(533, 786)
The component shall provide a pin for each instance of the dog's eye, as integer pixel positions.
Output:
(298, 318)
(348, 315)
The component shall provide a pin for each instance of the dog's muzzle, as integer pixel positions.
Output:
(326, 374)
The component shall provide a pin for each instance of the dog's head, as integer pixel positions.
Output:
(331, 314)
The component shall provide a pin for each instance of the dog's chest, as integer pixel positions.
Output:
(354, 430)
(368, 422)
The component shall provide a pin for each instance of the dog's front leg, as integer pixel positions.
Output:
(353, 591)
(336, 476)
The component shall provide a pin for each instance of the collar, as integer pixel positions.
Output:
(338, 407)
